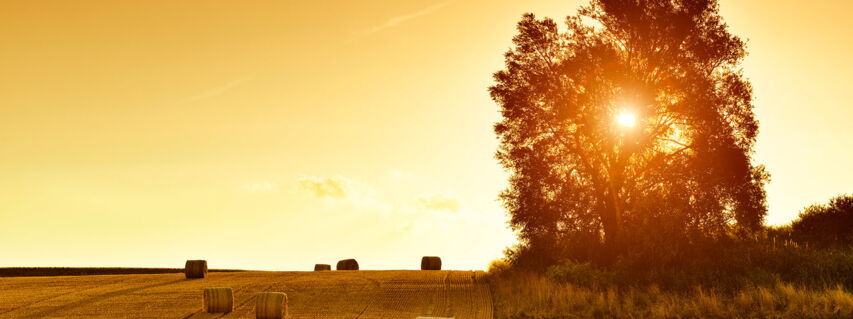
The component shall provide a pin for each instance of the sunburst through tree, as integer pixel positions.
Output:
(635, 121)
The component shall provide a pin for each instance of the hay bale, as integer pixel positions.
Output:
(430, 263)
(321, 267)
(271, 305)
(195, 269)
(347, 264)
(218, 300)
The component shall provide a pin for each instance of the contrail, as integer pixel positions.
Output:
(394, 21)
(214, 91)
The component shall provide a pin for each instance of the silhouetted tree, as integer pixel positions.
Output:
(580, 166)
(826, 225)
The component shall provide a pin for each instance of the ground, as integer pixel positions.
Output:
(328, 294)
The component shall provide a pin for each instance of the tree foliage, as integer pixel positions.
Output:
(826, 225)
(683, 169)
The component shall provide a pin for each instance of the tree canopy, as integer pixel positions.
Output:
(636, 120)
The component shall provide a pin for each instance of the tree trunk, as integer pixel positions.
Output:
(612, 223)
(612, 216)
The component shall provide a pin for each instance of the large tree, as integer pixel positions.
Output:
(636, 117)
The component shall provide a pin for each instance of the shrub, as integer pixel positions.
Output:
(729, 267)
(498, 267)
(829, 225)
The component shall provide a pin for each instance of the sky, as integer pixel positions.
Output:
(279, 134)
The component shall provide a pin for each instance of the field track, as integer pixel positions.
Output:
(328, 294)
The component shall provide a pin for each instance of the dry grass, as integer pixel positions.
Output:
(533, 296)
(333, 295)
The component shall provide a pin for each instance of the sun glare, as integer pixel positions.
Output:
(626, 119)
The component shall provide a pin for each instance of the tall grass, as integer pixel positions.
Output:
(520, 295)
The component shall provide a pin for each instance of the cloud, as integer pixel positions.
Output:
(394, 21)
(326, 187)
(262, 187)
(437, 203)
(214, 91)
(360, 197)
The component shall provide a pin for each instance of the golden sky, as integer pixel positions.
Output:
(279, 134)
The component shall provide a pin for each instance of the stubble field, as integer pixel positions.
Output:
(328, 294)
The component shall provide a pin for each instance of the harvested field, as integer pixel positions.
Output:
(362, 294)
(75, 271)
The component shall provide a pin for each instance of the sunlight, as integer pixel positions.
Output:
(626, 119)
(675, 139)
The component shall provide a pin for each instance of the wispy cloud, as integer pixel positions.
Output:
(344, 193)
(214, 91)
(394, 21)
(331, 187)
(438, 203)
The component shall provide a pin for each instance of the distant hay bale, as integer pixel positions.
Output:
(321, 267)
(430, 263)
(271, 305)
(347, 264)
(195, 269)
(218, 300)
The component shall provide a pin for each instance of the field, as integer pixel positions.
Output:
(330, 294)
(77, 271)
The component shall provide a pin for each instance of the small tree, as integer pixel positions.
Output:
(634, 121)
(826, 225)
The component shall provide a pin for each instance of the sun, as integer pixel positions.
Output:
(626, 119)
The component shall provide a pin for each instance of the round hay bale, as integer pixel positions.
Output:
(347, 264)
(430, 263)
(218, 300)
(321, 267)
(195, 269)
(271, 305)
